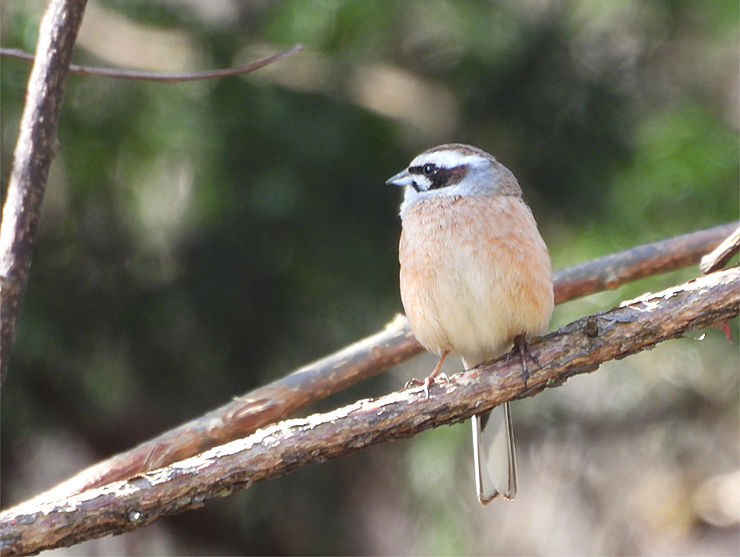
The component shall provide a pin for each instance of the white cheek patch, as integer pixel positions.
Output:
(422, 182)
(411, 196)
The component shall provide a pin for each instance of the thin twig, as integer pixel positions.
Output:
(34, 152)
(579, 347)
(361, 360)
(161, 77)
(722, 253)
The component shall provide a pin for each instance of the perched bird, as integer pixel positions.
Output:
(475, 278)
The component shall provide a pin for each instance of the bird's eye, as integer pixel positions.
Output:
(429, 169)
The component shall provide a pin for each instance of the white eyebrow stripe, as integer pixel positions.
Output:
(445, 159)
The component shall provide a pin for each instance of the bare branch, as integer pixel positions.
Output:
(579, 347)
(612, 271)
(361, 360)
(34, 152)
(161, 77)
(722, 253)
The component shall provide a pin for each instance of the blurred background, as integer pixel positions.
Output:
(199, 240)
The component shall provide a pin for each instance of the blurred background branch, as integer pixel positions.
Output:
(580, 347)
(36, 147)
(163, 78)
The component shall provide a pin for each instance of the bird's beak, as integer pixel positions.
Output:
(401, 179)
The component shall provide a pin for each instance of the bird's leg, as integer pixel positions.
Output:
(521, 346)
(432, 376)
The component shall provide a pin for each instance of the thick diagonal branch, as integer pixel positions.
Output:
(579, 347)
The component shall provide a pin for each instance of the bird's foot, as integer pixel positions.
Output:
(429, 381)
(522, 347)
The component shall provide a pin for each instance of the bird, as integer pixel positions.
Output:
(475, 281)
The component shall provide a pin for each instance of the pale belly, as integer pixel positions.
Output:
(474, 275)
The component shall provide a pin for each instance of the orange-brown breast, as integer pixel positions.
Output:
(475, 273)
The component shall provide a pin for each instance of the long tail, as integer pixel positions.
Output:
(493, 451)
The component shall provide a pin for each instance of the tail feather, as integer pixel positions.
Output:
(495, 459)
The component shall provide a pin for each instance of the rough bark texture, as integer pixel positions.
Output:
(579, 347)
(366, 358)
(34, 152)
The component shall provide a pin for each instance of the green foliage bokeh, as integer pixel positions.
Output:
(201, 239)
